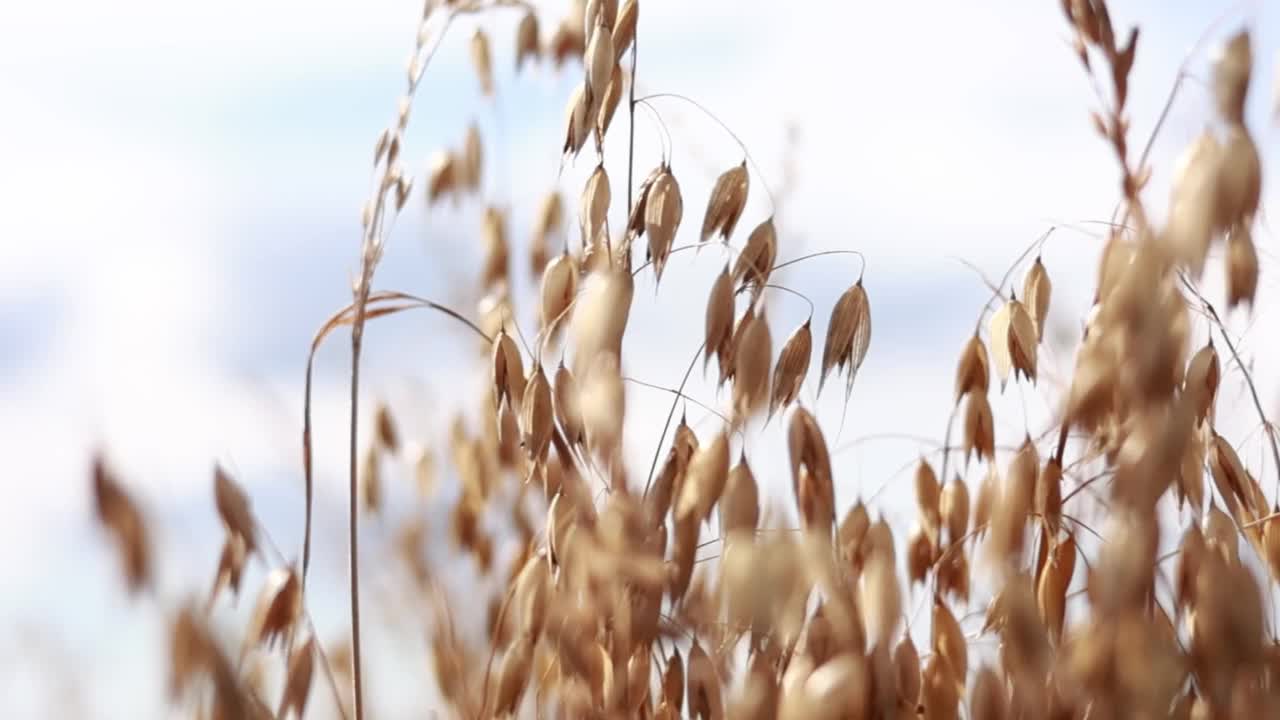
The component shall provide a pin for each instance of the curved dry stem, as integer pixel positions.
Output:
(822, 253)
(773, 205)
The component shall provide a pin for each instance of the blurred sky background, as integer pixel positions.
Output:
(181, 187)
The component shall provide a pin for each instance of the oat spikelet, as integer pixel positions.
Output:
(118, 512)
(233, 508)
(297, 685)
(482, 61)
(740, 503)
(577, 121)
(663, 211)
(792, 367)
(536, 416)
(599, 60)
(279, 604)
(595, 206)
(848, 336)
(707, 474)
(472, 159)
(755, 262)
(559, 285)
(1242, 267)
(719, 318)
(1232, 66)
(811, 480)
(624, 28)
(954, 508)
(508, 370)
(527, 39)
(979, 427)
(973, 372)
(728, 198)
(442, 178)
(1036, 290)
(751, 358)
(703, 686)
(1202, 378)
(948, 639)
(565, 401)
(609, 103)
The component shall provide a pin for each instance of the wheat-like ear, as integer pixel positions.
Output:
(527, 39)
(728, 198)
(117, 511)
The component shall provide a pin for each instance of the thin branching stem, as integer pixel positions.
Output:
(657, 452)
(773, 206)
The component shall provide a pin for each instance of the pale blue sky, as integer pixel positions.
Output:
(183, 184)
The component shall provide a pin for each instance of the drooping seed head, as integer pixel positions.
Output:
(728, 198)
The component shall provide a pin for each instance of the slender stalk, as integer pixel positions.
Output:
(631, 144)
(353, 556)
(657, 452)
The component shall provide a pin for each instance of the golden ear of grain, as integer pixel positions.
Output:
(472, 159)
(1232, 66)
(609, 103)
(1049, 497)
(848, 335)
(719, 318)
(527, 39)
(728, 198)
(443, 176)
(233, 508)
(988, 699)
(979, 427)
(119, 514)
(1001, 329)
(673, 681)
(954, 508)
(752, 356)
(1051, 590)
(602, 12)
(811, 479)
(624, 28)
(550, 215)
(938, 692)
(755, 262)
(1202, 378)
(792, 367)
(600, 315)
(973, 372)
(497, 264)
(230, 566)
(602, 400)
(881, 598)
(703, 686)
(298, 681)
(565, 403)
(1194, 206)
(705, 480)
(577, 120)
(842, 684)
(948, 640)
(599, 59)
(371, 481)
(559, 285)
(663, 211)
(953, 574)
(740, 503)
(385, 427)
(906, 671)
(595, 206)
(637, 221)
(928, 500)
(508, 369)
(1242, 267)
(1036, 291)
(481, 59)
(279, 603)
(1239, 181)
(513, 676)
(536, 415)
(919, 555)
(1022, 341)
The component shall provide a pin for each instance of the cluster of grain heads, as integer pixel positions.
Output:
(599, 600)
